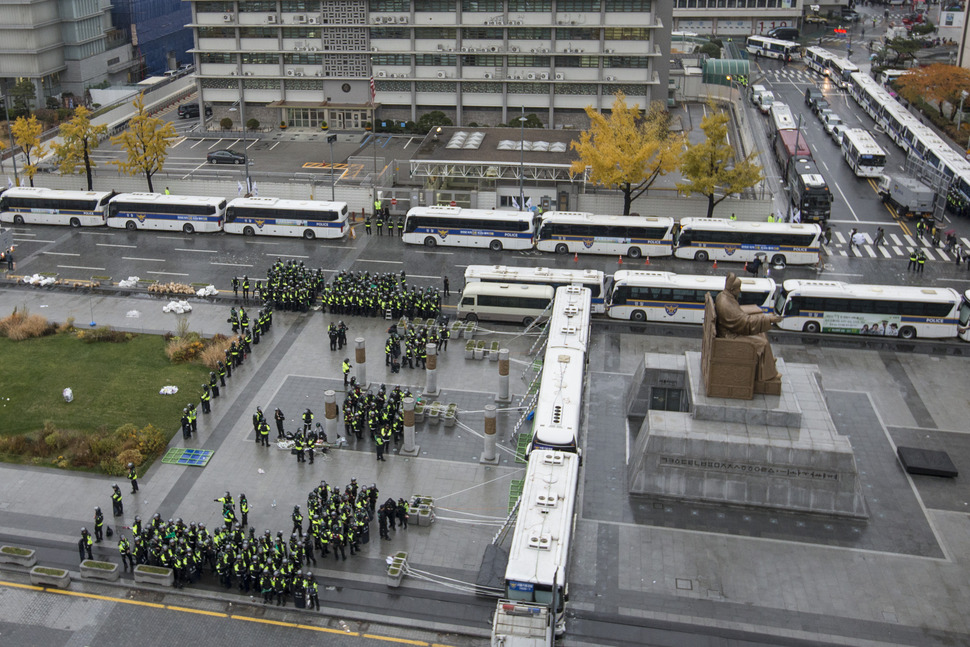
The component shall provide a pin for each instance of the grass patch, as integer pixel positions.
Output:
(114, 384)
(104, 566)
(154, 570)
(53, 572)
(13, 550)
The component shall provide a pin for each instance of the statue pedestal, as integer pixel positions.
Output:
(773, 451)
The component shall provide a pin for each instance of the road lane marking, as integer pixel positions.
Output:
(167, 273)
(847, 203)
(885, 252)
(33, 240)
(114, 245)
(287, 255)
(61, 253)
(231, 264)
(374, 260)
(80, 267)
(214, 614)
(201, 251)
(137, 258)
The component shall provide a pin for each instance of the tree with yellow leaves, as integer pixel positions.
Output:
(938, 83)
(79, 138)
(146, 140)
(710, 168)
(627, 150)
(26, 134)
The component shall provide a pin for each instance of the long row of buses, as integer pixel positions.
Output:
(909, 312)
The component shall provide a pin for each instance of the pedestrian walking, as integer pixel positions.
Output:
(444, 284)
(828, 236)
(852, 238)
(880, 237)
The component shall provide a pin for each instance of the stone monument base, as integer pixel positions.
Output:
(774, 451)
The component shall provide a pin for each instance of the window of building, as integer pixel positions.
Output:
(261, 58)
(213, 7)
(481, 87)
(624, 6)
(436, 86)
(436, 33)
(575, 88)
(530, 33)
(393, 86)
(261, 84)
(583, 33)
(528, 88)
(217, 57)
(257, 6)
(390, 32)
(300, 6)
(217, 32)
(578, 5)
(627, 33)
(483, 33)
(434, 5)
(258, 32)
(577, 61)
(390, 5)
(302, 58)
(481, 5)
(531, 5)
(439, 60)
(220, 84)
(391, 59)
(522, 61)
(627, 61)
(297, 32)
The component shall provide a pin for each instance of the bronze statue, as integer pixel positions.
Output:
(748, 324)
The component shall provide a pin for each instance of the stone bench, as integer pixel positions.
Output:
(96, 570)
(45, 576)
(19, 556)
(154, 575)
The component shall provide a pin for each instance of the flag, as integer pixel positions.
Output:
(238, 188)
(515, 203)
(255, 190)
(373, 89)
(9, 182)
(528, 204)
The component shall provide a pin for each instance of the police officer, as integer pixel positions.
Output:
(245, 287)
(119, 508)
(84, 545)
(345, 367)
(133, 477)
(307, 419)
(205, 397)
(921, 261)
(263, 433)
(244, 510)
(913, 259)
(124, 547)
(213, 384)
(235, 286)
(310, 442)
(98, 525)
(279, 417)
(299, 446)
(367, 225)
(186, 424)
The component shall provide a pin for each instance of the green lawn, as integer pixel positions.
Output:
(113, 384)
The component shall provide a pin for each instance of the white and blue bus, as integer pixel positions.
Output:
(773, 48)
(40, 206)
(865, 157)
(565, 232)
(595, 280)
(882, 310)
(818, 58)
(677, 298)
(454, 226)
(841, 71)
(559, 403)
(187, 213)
(781, 243)
(276, 217)
(538, 567)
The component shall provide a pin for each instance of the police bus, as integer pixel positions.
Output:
(883, 310)
(187, 213)
(677, 298)
(595, 280)
(704, 239)
(841, 70)
(817, 58)
(41, 206)
(864, 155)
(574, 232)
(772, 47)
(276, 217)
(497, 230)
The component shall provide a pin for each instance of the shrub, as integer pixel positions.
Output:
(215, 352)
(22, 325)
(131, 456)
(66, 326)
(182, 349)
(225, 123)
(252, 124)
(106, 334)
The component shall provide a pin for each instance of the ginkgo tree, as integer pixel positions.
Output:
(938, 83)
(626, 149)
(146, 141)
(711, 168)
(26, 134)
(79, 136)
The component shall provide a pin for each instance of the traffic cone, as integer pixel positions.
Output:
(715, 263)
(619, 259)
(646, 260)
(575, 257)
(746, 266)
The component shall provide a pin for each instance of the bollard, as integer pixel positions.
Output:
(330, 414)
(488, 455)
(360, 355)
(410, 449)
(503, 377)
(431, 373)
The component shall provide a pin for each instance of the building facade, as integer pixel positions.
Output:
(738, 18)
(349, 62)
(158, 32)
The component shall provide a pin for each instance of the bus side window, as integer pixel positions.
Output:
(468, 301)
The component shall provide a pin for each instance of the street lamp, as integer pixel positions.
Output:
(330, 140)
(522, 121)
(734, 83)
(242, 117)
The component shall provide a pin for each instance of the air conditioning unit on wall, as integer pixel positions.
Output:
(227, 17)
(271, 20)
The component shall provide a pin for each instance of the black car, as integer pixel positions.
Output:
(225, 156)
(820, 104)
(190, 110)
(783, 33)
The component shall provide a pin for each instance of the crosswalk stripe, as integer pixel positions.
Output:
(929, 254)
(870, 251)
(909, 240)
(885, 252)
(945, 256)
(966, 243)
(898, 252)
(895, 239)
(839, 237)
(843, 252)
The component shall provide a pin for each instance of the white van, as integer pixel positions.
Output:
(765, 101)
(504, 301)
(756, 92)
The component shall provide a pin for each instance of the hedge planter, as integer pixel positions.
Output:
(434, 413)
(19, 556)
(99, 281)
(425, 515)
(450, 415)
(44, 576)
(469, 331)
(493, 352)
(470, 349)
(419, 412)
(95, 570)
(154, 575)
(395, 570)
(480, 350)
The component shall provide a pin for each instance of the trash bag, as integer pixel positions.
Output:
(109, 532)
(68, 395)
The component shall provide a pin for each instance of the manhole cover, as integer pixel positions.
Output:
(685, 585)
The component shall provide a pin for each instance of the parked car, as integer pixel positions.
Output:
(826, 113)
(816, 19)
(225, 156)
(811, 94)
(913, 19)
(190, 110)
(850, 15)
(836, 133)
(819, 104)
(784, 33)
(830, 121)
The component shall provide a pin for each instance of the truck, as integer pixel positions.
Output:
(789, 144)
(909, 197)
(519, 624)
(809, 191)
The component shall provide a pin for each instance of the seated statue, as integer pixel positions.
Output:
(748, 324)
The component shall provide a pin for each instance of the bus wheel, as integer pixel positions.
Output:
(779, 259)
(907, 332)
(471, 317)
(700, 256)
(811, 326)
(309, 235)
(638, 315)
(187, 228)
(562, 248)
(527, 321)
(249, 231)
(634, 252)
(75, 223)
(131, 226)
(18, 220)
(495, 245)
(430, 242)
